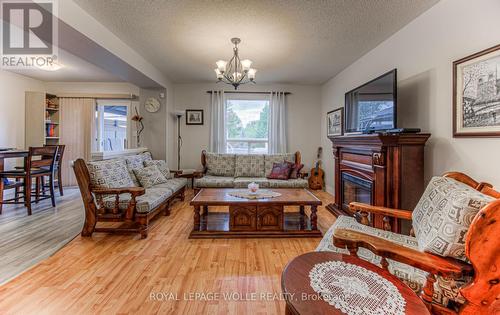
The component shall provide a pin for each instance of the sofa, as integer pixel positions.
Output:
(238, 170)
(131, 189)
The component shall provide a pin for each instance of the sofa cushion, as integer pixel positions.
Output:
(134, 162)
(151, 199)
(280, 171)
(291, 183)
(174, 184)
(444, 289)
(109, 174)
(162, 166)
(219, 164)
(270, 159)
(249, 165)
(149, 176)
(443, 215)
(210, 181)
(242, 182)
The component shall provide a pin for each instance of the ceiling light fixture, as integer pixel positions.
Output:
(236, 71)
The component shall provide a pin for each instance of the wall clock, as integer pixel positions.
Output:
(152, 105)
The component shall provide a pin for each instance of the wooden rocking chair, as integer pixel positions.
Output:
(482, 248)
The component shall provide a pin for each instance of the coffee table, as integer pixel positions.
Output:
(254, 218)
(302, 299)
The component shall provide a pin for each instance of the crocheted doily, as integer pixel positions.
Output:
(260, 194)
(355, 290)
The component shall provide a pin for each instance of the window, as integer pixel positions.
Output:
(112, 125)
(247, 126)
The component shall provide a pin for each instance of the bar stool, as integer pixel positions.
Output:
(40, 162)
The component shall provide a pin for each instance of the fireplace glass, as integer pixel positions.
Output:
(355, 189)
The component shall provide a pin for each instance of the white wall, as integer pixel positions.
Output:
(12, 88)
(423, 52)
(303, 106)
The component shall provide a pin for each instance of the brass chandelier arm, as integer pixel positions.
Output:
(230, 73)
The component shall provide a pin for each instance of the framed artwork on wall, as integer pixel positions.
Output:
(194, 116)
(335, 122)
(476, 94)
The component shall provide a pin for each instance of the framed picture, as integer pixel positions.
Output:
(194, 116)
(476, 94)
(335, 122)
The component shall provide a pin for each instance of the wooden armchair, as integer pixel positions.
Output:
(482, 247)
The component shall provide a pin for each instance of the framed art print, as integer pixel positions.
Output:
(194, 116)
(335, 122)
(476, 94)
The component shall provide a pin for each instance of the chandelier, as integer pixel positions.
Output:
(236, 71)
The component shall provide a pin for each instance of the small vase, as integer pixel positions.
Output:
(253, 187)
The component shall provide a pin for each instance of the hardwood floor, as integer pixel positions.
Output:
(166, 273)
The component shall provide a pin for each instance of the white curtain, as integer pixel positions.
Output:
(77, 131)
(217, 118)
(277, 123)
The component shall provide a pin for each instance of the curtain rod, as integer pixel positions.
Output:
(247, 92)
(99, 96)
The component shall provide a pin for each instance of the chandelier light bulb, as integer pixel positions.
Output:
(219, 74)
(221, 65)
(246, 64)
(251, 73)
(236, 75)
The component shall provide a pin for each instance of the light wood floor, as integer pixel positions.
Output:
(121, 274)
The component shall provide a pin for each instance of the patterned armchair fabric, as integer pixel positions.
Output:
(270, 159)
(220, 164)
(162, 166)
(210, 181)
(291, 183)
(109, 174)
(152, 198)
(249, 165)
(444, 289)
(174, 184)
(443, 216)
(242, 182)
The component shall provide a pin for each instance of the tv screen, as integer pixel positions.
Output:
(372, 106)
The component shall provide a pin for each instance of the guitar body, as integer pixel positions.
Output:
(317, 178)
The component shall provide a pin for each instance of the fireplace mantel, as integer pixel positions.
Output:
(393, 165)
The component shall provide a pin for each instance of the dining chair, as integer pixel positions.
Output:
(40, 162)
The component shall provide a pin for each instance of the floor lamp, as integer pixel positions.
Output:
(179, 114)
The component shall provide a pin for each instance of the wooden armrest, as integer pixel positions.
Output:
(134, 191)
(396, 213)
(437, 265)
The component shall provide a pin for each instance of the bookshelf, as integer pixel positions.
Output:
(42, 118)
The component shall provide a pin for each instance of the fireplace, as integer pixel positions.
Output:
(355, 188)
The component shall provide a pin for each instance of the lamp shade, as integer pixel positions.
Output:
(179, 113)
(246, 64)
(221, 65)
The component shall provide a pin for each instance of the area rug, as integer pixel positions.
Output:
(27, 240)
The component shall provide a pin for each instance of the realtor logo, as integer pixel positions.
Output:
(28, 33)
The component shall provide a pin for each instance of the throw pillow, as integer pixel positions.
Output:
(280, 171)
(109, 174)
(296, 168)
(270, 159)
(443, 215)
(162, 166)
(149, 176)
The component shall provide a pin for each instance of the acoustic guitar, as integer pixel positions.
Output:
(317, 178)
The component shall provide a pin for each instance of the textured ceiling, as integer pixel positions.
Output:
(289, 41)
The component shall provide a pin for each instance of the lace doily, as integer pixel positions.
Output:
(260, 194)
(355, 290)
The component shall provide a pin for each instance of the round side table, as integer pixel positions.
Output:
(302, 299)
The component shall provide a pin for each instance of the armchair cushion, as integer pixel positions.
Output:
(270, 159)
(249, 165)
(220, 164)
(149, 176)
(443, 216)
(109, 174)
(145, 203)
(162, 166)
(174, 184)
(444, 289)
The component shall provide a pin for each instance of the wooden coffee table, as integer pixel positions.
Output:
(254, 218)
(302, 299)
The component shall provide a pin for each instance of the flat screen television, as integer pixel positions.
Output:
(372, 106)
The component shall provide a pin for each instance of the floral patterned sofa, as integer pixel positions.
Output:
(239, 170)
(132, 189)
